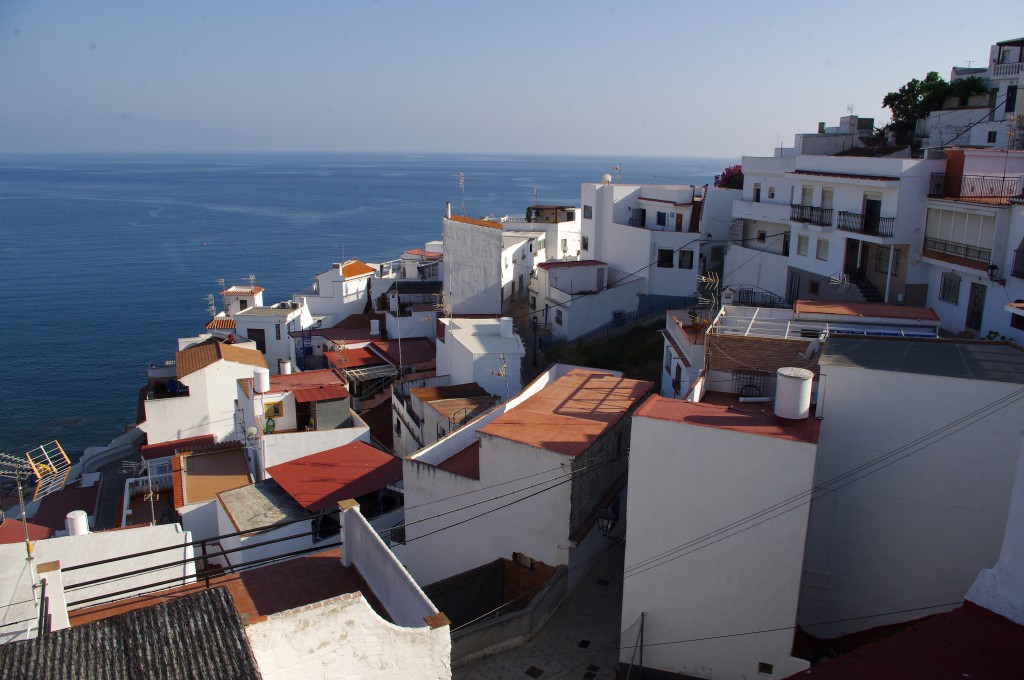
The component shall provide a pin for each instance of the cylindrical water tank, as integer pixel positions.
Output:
(793, 392)
(374, 326)
(261, 380)
(506, 327)
(284, 366)
(77, 523)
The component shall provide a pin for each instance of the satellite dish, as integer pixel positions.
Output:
(606, 178)
(252, 432)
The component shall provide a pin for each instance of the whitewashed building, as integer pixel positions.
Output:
(482, 351)
(428, 414)
(572, 298)
(269, 328)
(474, 250)
(338, 292)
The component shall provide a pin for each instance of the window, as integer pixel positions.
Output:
(686, 259)
(522, 254)
(761, 236)
(1011, 99)
(668, 361)
(558, 316)
(882, 260)
(813, 287)
(565, 245)
(398, 428)
(665, 257)
(757, 193)
(1017, 321)
(822, 249)
(259, 336)
(661, 218)
(992, 137)
(771, 192)
(540, 245)
(588, 212)
(533, 302)
(801, 244)
(765, 668)
(570, 215)
(273, 410)
(277, 331)
(586, 243)
(531, 246)
(243, 304)
(949, 288)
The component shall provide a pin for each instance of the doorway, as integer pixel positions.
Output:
(975, 307)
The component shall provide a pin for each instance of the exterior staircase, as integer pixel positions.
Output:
(869, 292)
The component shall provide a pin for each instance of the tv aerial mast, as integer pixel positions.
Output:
(48, 465)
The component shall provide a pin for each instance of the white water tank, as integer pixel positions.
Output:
(261, 380)
(793, 392)
(284, 366)
(77, 523)
(374, 326)
(506, 326)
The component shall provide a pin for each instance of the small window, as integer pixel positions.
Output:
(1017, 321)
(243, 304)
(570, 215)
(586, 243)
(949, 289)
(558, 316)
(765, 668)
(813, 287)
(661, 218)
(533, 302)
(398, 428)
(686, 259)
(522, 254)
(668, 361)
(588, 212)
(565, 245)
(801, 244)
(992, 137)
(822, 249)
(762, 236)
(771, 192)
(531, 246)
(274, 409)
(540, 245)
(259, 336)
(277, 331)
(665, 257)
(757, 192)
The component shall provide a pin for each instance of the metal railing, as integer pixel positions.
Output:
(978, 187)
(821, 217)
(748, 297)
(872, 225)
(982, 255)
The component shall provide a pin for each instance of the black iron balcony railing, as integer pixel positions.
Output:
(982, 255)
(821, 217)
(988, 188)
(867, 224)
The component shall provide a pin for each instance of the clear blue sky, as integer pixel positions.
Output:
(595, 77)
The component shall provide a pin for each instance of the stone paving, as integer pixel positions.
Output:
(580, 642)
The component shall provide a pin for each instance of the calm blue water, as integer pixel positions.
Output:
(106, 260)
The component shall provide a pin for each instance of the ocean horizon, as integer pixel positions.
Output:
(107, 258)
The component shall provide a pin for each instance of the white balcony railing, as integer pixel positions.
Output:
(1007, 70)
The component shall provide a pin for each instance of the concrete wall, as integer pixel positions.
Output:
(200, 519)
(472, 282)
(281, 448)
(687, 481)
(749, 267)
(344, 638)
(917, 532)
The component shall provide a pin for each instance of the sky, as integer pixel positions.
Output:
(680, 78)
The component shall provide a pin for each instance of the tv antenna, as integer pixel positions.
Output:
(252, 280)
(210, 306)
(462, 188)
(849, 109)
(220, 282)
(136, 466)
(48, 464)
(536, 195)
(501, 372)
(617, 169)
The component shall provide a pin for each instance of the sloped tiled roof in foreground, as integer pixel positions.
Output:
(196, 637)
(197, 357)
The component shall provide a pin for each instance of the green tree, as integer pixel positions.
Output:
(731, 178)
(918, 98)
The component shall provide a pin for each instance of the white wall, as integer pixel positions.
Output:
(281, 448)
(917, 532)
(749, 267)
(472, 282)
(344, 638)
(200, 519)
(283, 348)
(687, 481)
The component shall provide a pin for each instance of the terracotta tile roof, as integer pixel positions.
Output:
(242, 290)
(968, 642)
(305, 395)
(54, 509)
(354, 268)
(729, 418)
(361, 321)
(737, 353)
(845, 175)
(462, 409)
(169, 448)
(317, 482)
(570, 414)
(198, 357)
(479, 223)
(12, 531)
(427, 394)
(428, 254)
(413, 350)
(354, 357)
(865, 309)
(293, 381)
(221, 323)
(571, 263)
(199, 477)
(465, 463)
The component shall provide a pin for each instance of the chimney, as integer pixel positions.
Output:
(448, 209)
(506, 326)
(374, 326)
(77, 523)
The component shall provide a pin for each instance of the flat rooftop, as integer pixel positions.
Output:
(878, 310)
(199, 477)
(287, 383)
(570, 414)
(318, 481)
(259, 505)
(971, 359)
(753, 419)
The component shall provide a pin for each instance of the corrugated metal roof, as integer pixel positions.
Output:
(977, 360)
(196, 637)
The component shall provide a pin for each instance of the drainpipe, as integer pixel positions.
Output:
(888, 272)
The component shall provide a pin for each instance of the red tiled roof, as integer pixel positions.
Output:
(570, 414)
(54, 509)
(164, 449)
(479, 223)
(305, 395)
(242, 290)
(466, 390)
(317, 482)
(414, 350)
(354, 268)
(12, 531)
(466, 462)
(429, 254)
(360, 321)
(968, 642)
(197, 357)
(844, 175)
(293, 381)
(865, 309)
(729, 418)
(221, 323)
(354, 357)
(572, 263)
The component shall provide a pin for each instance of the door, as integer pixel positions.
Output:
(975, 307)
(872, 213)
(679, 221)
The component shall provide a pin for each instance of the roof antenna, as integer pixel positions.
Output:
(462, 188)
(252, 280)
(210, 306)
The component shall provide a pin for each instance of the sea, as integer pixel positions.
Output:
(105, 260)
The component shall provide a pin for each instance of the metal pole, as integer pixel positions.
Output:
(642, 615)
(24, 520)
(149, 482)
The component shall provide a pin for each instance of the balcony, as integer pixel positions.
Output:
(976, 188)
(870, 225)
(957, 253)
(821, 217)
(1007, 70)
